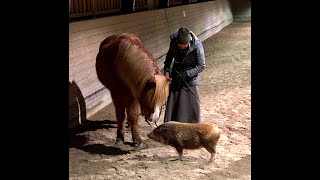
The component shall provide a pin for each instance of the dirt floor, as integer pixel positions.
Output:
(225, 92)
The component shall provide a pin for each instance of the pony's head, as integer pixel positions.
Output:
(154, 96)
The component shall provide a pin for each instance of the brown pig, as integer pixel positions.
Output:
(187, 136)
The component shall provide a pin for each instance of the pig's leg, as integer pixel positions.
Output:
(212, 150)
(180, 151)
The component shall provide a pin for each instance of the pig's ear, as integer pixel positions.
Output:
(164, 130)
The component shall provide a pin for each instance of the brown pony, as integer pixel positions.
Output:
(135, 82)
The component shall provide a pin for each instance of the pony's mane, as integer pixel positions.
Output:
(135, 64)
(160, 93)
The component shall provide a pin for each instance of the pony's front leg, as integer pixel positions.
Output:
(133, 116)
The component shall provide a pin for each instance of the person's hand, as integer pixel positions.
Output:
(167, 74)
(183, 75)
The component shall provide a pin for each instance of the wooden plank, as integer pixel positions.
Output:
(80, 14)
(82, 43)
(80, 6)
(158, 44)
(81, 67)
(156, 40)
(89, 4)
(72, 7)
(80, 77)
(190, 25)
(82, 70)
(85, 9)
(152, 26)
(205, 27)
(117, 26)
(83, 58)
(94, 9)
(97, 92)
(158, 36)
(190, 15)
(163, 49)
(118, 3)
(87, 81)
(79, 51)
(151, 32)
(103, 2)
(191, 20)
(160, 50)
(209, 19)
(93, 99)
(188, 19)
(101, 22)
(97, 5)
(85, 73)
(108, 11)
(138, 29)
(102, 5)
(88, 90)
(204, 35)
(98, 101)
(137, 3)
(76, 6)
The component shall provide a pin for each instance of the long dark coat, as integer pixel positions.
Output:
(183, 102)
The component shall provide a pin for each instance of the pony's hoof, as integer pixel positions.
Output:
(140, 146)
(118, 143)
(136, 141)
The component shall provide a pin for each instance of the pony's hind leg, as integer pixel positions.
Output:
(133, 116)
(120, 114)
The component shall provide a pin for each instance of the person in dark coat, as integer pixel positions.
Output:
(183, 103)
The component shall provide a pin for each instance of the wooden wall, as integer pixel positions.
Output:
(80, 8)
(152, 27)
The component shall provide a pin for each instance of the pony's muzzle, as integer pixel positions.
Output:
(153, 117)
